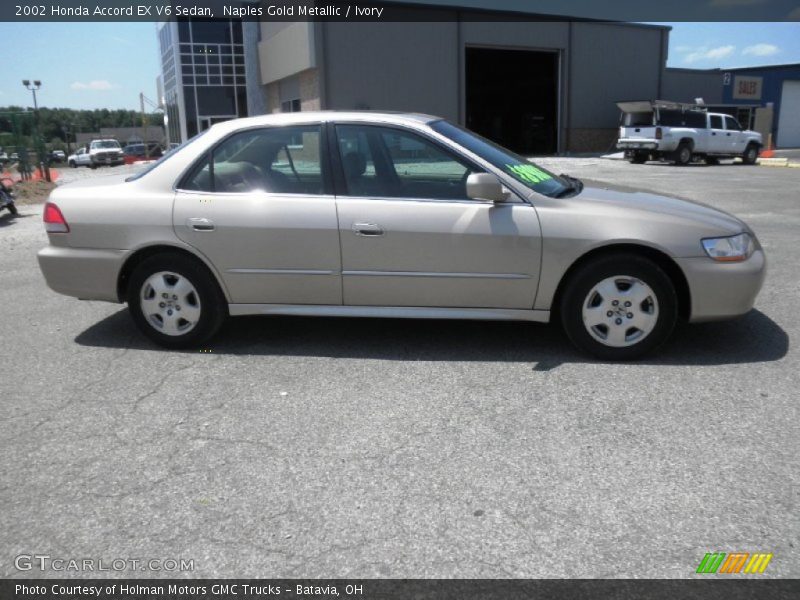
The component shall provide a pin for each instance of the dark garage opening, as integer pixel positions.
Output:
(511, 98)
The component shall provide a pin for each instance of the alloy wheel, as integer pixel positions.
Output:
(170, 303)
(620, 311)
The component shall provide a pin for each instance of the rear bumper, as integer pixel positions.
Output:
(84, 273)
(723, 290)
(637, 145)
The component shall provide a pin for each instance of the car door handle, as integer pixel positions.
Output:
(712, 133)
(200, 224)
(368, 229)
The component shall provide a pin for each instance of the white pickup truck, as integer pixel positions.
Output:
(661, 130)
(99, 152)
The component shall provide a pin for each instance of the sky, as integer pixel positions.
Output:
(80, 65)
(107, 65)
(728, 45)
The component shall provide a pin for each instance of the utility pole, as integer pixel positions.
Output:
(144, 127)
(142, 100)
(44, 161)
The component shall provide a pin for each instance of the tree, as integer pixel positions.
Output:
(52, 121)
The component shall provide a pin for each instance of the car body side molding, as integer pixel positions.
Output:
(392, 312)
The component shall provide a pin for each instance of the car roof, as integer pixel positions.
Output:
(327, 115)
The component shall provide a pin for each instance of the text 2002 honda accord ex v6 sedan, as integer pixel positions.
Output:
(390, 215)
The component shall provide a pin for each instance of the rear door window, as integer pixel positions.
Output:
(715, 122)
(281, 160)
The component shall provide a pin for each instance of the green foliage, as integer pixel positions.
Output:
(53, 121)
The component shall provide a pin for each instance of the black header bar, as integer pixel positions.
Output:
(407, 11)
(731, 588)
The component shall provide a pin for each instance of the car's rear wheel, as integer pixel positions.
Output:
(750, 155)
(683, 154)
(175, 301)
(72, 164)
(12, 208)
(619, 307)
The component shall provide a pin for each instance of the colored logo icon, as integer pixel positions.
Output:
(734, 562)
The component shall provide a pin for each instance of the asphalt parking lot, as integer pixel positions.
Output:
(379, 448)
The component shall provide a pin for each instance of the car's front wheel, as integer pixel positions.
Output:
(619, 307)
(175, 301)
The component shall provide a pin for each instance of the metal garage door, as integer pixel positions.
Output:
(789, 120)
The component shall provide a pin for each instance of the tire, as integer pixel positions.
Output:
(624, 278)
(92, 165)
(711, 160)
(12, 208)
(683, 154)
(750, 154)
(638, 158)
(193, 312)
(73, 164)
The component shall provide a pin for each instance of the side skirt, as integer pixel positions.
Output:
(391, 312)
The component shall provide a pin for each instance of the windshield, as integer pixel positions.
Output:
(106, 144)
(534, 177)
(166, 156)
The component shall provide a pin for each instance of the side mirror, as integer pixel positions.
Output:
(485, 186)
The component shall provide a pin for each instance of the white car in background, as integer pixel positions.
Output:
(99, 152)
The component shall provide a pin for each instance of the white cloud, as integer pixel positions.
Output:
(706, 53)
(100, 85)
(761, 50)
(683, 48)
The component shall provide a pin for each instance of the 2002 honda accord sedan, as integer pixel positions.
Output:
(390, 215)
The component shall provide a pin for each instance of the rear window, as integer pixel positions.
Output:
(155, 165)
(680, 118)
(670, 118)
(695, 119)
(638, 119)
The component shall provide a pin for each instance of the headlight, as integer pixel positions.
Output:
(735, 248)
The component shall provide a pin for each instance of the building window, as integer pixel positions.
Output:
(291, 105)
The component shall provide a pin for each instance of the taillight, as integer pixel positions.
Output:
(54, 221)
(659, 133)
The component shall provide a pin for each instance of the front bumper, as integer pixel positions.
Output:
(84, 273)
(723, 290)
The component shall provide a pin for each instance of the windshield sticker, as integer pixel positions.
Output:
(528, 173)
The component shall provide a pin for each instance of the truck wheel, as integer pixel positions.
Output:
(619, 307)
(638, 158)
(92, 165)
(683, 155)
(72, 164)
(750, 155)
(12, 208)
